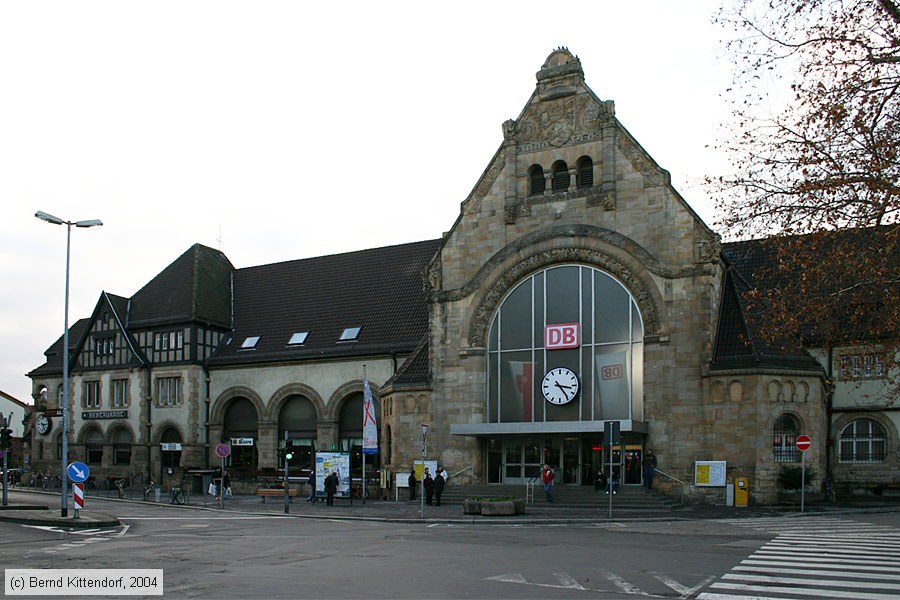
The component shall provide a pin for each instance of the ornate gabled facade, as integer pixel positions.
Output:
(576, 289)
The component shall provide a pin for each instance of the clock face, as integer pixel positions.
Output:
(560, 385)
(42, 424)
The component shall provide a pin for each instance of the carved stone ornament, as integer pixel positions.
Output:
(707, 245)
(653, 175)
(472, 205)
(488, 305)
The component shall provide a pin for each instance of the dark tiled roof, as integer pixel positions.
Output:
(415, 370)
(813, 277)
(54, 354)
(379, 290)
(194, 288)
(738, 341)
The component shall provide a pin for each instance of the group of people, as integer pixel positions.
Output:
(648, 466)
(434, 486)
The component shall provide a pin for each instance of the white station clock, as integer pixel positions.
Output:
(42, 424)
(560, 385)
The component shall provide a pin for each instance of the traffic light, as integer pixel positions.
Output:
(5, 435)
(288, 450)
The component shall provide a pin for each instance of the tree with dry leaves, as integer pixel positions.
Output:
(816, 166)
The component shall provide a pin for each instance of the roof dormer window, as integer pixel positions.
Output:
(298, 339)
(350, 334)
(250, 342)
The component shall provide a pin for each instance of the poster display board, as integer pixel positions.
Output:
(430, 464)
(709, 473)
(326, 462)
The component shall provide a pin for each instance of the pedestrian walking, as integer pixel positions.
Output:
(649, 465)
(438, 488)
(429, 488)
(331, 485)
(547, 476)
(312, 486)
(412, 482)
(600, 483)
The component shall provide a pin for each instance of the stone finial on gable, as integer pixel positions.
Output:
(560, 75)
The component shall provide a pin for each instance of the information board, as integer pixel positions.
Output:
(709, 473)
(326, 462)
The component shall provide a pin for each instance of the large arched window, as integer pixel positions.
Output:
(607, 358)
(559, 175)
(241, 423)
(299, 420)
(863, 441)
(351, 434)
(170, 444)
(536, 182)
(784, 439)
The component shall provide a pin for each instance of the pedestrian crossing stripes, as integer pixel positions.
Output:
(815, 558)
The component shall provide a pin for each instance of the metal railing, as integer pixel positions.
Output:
(683, 484)
(529, 490)
(453, 476)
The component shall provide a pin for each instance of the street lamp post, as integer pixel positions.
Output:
(424, 448)
(64, 403)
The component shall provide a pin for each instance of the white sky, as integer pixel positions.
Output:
(282, 130)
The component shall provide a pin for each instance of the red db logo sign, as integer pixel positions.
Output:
(566, 335)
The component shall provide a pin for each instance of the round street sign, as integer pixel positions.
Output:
(78, 472)
(803, 443)
(223, 450)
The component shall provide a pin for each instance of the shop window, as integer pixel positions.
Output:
(784, 439)
(94, 448)
(863, 441)
(122, 447)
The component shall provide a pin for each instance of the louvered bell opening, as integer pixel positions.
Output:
(585, 177)
(538, 185)
(561, 180)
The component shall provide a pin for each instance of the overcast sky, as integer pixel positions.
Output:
(284, 130)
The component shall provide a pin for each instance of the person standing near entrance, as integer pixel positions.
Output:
(438, 487)
(429, 487)
(547, 476)
(312, 486)
(331, 486)
(649, 464)
(412, 482)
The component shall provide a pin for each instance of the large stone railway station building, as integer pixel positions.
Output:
(576, 288)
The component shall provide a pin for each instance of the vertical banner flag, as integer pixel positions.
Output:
(521, 373)
(370, 427)
(613, 383)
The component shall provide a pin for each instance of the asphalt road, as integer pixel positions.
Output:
(213, 554)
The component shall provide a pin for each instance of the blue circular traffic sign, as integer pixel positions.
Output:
(223, 450)
(78, 471)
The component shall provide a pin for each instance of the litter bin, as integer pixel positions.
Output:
(741, 492)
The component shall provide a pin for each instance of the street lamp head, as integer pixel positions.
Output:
(48, 217)
(89, 223)
(424, 429)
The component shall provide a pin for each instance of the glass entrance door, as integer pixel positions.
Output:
(523, 459)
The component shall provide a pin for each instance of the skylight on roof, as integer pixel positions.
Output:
(250, 342)
(298, 338)
(350, 334)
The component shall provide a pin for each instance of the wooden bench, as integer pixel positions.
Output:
(264, 492)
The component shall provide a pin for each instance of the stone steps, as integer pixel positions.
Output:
(629, 497)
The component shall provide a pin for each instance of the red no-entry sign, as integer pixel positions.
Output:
(803, 443)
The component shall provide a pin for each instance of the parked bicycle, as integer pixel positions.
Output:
(829, 491)
(150, 491)
(120, 488)
(176, 495)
